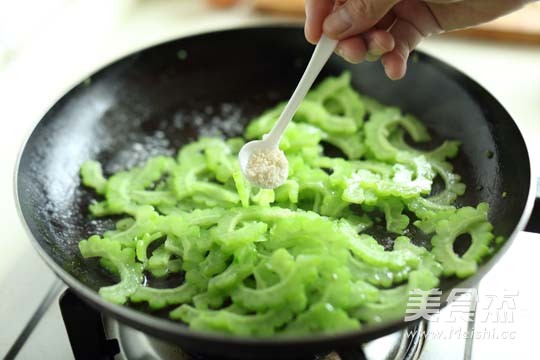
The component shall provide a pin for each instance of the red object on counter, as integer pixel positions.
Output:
(222, 3)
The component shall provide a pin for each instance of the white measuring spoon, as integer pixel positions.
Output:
(270, 141)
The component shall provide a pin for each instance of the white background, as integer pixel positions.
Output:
(48, 46)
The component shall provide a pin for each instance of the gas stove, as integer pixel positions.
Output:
(503, 322)
(87, 334)
(92, 335)
(134, 344)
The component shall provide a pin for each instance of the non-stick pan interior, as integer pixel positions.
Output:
(155, 101)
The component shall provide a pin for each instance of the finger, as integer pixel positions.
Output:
(415, 22)
(316, 12)
(406, 37)
(355, 16)
(352, 49)
(378, 42)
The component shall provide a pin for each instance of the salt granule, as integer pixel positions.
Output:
(267, 169)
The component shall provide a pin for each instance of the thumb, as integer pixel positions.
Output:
(353, 17)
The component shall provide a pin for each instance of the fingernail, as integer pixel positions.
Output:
(375, 51)
(371, 57)
(341, 53)
(383, 62)
(338, 22)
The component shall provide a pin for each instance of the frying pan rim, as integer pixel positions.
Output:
(149, 321)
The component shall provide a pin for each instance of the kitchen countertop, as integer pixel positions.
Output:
(71, 42)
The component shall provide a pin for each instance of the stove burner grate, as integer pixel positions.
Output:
(105, 338)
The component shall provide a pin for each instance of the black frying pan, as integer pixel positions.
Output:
(146, 103)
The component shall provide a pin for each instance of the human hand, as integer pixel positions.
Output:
(391, 29)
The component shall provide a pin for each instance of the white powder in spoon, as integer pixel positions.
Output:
(267, 169)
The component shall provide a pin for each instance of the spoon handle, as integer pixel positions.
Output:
(322, 52)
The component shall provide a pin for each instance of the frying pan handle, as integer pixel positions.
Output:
(534, 221)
